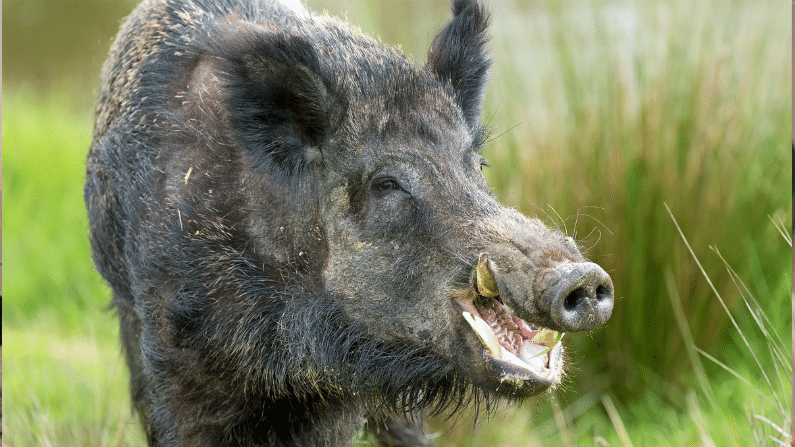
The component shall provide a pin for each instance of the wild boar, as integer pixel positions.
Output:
(298, 235)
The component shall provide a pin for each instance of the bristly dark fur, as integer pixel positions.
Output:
(278, 96)
(286, 211)
(250, 323)
(458, 54)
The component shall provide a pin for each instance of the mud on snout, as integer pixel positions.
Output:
(517, 333)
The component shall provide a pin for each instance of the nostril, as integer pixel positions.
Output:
(573, 299)
(581, 297)
(603, 293)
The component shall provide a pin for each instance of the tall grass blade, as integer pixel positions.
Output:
(777, 441)
(560, 423)
(690, 344)
(615, 418)
(737, 375)
(726, 309)
(782, 228)
(701, 423)
(771, 423)
(772, 337)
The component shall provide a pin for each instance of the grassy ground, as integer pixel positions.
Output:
(604, 118)
(64, 381)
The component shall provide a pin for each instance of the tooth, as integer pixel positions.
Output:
(487, 286)
(484, 333)
(509, 357)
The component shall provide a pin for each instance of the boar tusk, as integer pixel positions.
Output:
(487, 286)
(484, 333)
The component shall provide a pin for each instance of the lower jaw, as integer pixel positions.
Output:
(510, 373)
(515, 381)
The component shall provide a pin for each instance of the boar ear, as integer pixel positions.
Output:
(458, 55)
(278, 100)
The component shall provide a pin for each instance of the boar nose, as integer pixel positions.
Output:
(580, 296)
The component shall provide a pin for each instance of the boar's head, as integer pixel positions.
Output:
(363, 177)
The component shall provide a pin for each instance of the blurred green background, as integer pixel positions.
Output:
(602, 113)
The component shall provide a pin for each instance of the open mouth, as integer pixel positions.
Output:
(518, 351)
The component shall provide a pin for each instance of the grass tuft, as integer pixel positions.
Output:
(775, 397)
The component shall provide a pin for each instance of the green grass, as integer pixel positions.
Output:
(64, 374)
(48, 272)
(65, 390)
(596, 131)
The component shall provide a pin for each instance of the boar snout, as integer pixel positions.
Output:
(579, 295)
(519, 313)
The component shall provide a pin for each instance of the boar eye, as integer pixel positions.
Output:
(386, 185)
